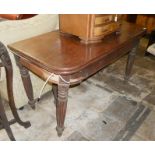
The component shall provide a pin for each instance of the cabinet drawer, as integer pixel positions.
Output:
(103, 30)
(103, 19)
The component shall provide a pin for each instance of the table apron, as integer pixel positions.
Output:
(100, 64)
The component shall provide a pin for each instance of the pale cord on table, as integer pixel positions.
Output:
(52, 74)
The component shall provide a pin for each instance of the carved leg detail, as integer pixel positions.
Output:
(61, 106)
(5, 122)
(55, 93)
(130, 62)
(9, 77)
(26, 82)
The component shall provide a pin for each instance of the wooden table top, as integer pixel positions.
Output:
(67, 55)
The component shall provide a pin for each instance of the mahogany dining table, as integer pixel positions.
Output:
(63, 60)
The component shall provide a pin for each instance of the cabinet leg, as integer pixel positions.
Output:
(9, 77)
(61, 106)
(5, 123)
(26, 83)
(130, 62)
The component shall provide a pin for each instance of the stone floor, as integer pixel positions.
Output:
(103, 107)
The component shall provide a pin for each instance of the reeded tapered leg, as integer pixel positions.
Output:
(61, 106)
(130, 62)
(9, 77)
(55, 92)
(5, 122)
(26, 82)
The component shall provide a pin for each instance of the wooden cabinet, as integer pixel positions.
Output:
(147, 21)
(89, 27)
(144, 20)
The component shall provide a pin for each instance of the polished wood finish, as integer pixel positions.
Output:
(16, 16)
(103, 19)
(147, 21)
(6, 62)
(26, 82)
(72, 61)
(66, 55)
(144, 20)
(5, 123)
(11, 16)
(130, 61)
(55, 93)
(89, 28)
(61, 104)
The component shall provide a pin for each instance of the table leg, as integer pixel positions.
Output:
(61, 106)
(130, 62)
(4, 56)
(5, 123)
(26, 82)
(55, 92)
